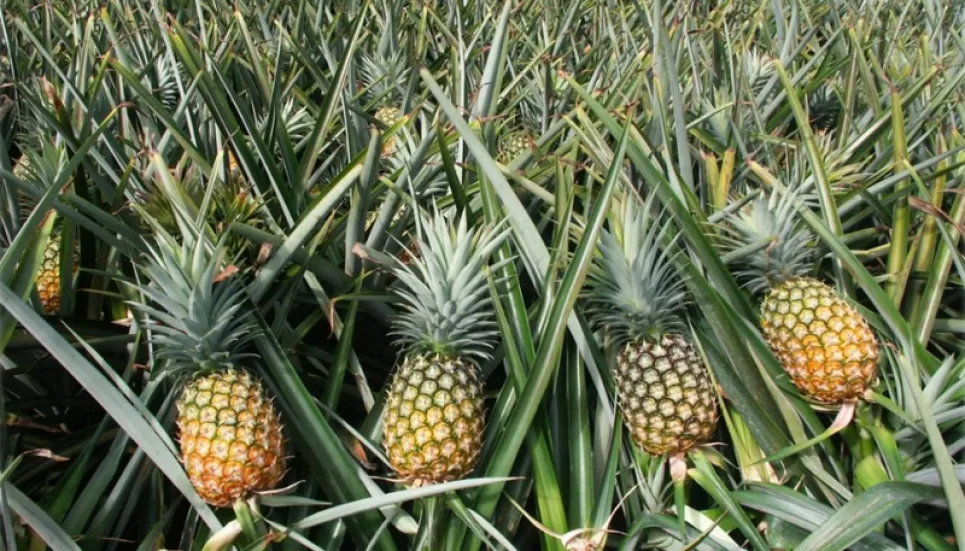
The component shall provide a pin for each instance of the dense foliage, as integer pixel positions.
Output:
(217, 217)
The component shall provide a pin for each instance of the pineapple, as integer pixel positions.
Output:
(47, 280)
(231, 439)
(232, 200)
(824, 109)
(381, 77)
(822, 342)
(634, 299)
(434, 418)
(512, 145)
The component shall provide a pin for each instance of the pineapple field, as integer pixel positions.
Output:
(450, 275)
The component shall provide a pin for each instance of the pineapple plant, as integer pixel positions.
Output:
(381, 77)
(47, 281)
(823, 343)
(435, 416)
(231, 439)
(232, 200)
(635, 299)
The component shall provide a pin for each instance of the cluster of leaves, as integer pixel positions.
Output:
(150, 105)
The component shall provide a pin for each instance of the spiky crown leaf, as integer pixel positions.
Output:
(777, 243)
(634, 290)
(382, 75)
(446, 307)
(201, 324)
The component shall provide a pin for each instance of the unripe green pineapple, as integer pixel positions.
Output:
(230, 433)
(232, 200)
(388, 116)
(824, 109)
(434, 416)
(663, 388)
(825, 345)
(511, 146)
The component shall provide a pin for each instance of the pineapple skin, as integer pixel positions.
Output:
(231, 437)
(434, 419)
(511, 146)
(824, 344)
(666, 394)
(47, 280)
(388, 115)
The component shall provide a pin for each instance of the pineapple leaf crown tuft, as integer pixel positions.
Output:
(383, 75)
(201, 322)
(634, 290)
(768, 243)
(446, 307)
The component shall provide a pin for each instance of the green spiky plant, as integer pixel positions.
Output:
(718, 101)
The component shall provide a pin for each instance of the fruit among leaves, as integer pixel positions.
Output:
(666, 394)
(231, 437)
(434, 421)
(824, 344)
(435, 415)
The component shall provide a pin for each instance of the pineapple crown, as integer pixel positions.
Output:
(634, 289)
(201, 322)
(382, 75)
(775, 244)
(446, 307)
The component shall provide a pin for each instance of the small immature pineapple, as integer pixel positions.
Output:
(435, 416)
(663, 387)
(822, 341)
(382, 77)
(511, 146)
(230, 433)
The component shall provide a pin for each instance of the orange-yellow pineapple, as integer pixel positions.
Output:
(230, 433)
(825, 345)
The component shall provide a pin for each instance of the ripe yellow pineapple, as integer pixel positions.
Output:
(383, 76)
(435, 416)
(47, 280)
(825, 345)
(231, 438)
(663, 388)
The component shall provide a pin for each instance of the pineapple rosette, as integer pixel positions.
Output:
(230, 433)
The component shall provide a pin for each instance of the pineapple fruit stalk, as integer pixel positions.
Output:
(231, 439)
(434, 418)
(663, 388)
(823, 343)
